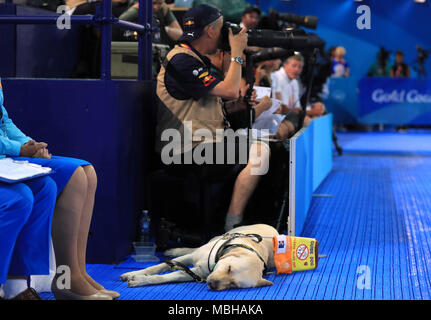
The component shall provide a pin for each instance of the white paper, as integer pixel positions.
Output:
(262, 92)
(16, 170)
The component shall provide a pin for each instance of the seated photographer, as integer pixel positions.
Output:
(170, 29)
(190, 109)
(236, 110)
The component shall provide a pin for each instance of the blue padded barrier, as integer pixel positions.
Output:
(310, 163)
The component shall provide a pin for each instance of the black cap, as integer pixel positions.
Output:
(252, 9)
(196, 19)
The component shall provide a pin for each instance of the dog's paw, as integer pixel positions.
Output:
(127, 276)
(138, 281)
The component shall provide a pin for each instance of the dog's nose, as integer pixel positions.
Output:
(213, 284)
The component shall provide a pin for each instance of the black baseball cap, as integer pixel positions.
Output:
(252, 9)
(196, 19)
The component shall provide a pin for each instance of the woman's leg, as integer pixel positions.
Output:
(66, 230)
(84, 226)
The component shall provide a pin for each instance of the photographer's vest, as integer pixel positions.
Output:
(186, 116)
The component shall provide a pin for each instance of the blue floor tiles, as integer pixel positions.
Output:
(375, 231)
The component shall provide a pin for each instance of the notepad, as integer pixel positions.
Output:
(12, 171)
(262, 92)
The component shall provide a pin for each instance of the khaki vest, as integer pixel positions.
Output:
(205, 113)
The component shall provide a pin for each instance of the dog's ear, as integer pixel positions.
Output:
(263, 283)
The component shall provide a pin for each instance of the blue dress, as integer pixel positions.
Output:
(63, 168)
(26, 210)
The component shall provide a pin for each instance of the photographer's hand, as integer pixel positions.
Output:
(238, 42)
(264, 104)
(229, 88)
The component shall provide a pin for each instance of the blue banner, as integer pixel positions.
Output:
(394, 101)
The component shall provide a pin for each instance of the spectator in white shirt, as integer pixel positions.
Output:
(285, 85)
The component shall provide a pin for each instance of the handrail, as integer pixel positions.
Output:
(106, 20)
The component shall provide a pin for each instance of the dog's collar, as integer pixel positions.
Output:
(229, 237)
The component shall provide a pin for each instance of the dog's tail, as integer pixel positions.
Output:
(177, 252)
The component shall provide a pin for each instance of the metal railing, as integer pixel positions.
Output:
(105, 20)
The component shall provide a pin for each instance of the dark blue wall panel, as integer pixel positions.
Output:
(7, 44)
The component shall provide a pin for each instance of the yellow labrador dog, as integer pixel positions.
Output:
(237, 259)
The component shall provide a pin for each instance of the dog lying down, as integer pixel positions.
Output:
(237, 259)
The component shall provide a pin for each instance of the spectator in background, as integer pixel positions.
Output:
(170, 29)
(400, 69)
(264, 70)
(340, 67)
(170, 3)
(381, 67)
(285, 86)
(250, 17)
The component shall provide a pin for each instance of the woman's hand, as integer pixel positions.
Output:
(43, 154)
(30, 148)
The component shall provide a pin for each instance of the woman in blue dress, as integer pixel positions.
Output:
(76, 182)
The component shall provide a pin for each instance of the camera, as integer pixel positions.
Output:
(293, 39)
(272, 54)
(305, 21)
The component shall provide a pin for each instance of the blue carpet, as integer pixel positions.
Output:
(414, 142)
(375, 231)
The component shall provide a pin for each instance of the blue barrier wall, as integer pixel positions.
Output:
(310, 163)
(105, 122)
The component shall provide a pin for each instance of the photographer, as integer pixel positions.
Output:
(188, 92)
